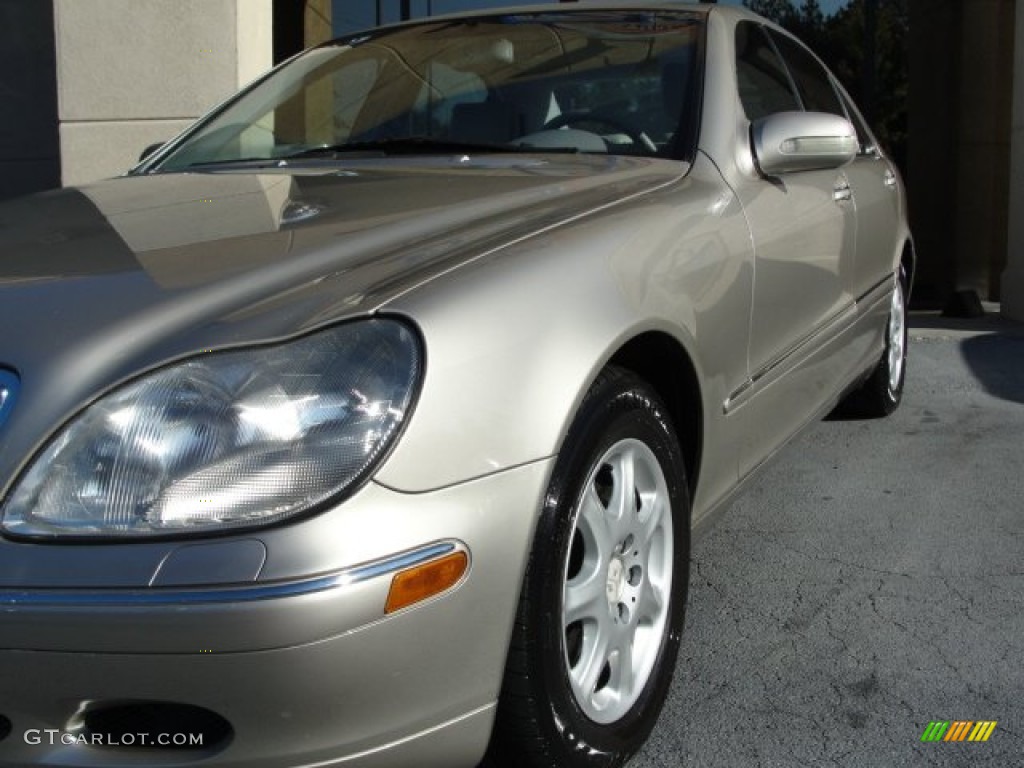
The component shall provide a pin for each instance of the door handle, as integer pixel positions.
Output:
(841, 192)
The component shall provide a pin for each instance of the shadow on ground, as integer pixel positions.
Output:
(997, 361)
(868, 582)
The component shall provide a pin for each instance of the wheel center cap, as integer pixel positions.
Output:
(613, 584)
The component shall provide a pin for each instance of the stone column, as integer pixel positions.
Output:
(983, 151)
(932, 148)
(317, 22)
(131, 73)
(1013, 277)
(959, 151)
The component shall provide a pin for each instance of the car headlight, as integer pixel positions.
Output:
(227, 439)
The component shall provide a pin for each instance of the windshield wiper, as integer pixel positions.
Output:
(409, 145)
(404, 145)
(412, 145)
(244, 161)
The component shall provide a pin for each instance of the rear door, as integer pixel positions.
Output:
(876, 195)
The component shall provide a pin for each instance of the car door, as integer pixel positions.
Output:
(804, 231)
(876, 196)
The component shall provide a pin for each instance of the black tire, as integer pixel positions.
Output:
(541, 722)
(881, 392)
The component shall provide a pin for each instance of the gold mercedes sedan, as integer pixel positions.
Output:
(369, 421)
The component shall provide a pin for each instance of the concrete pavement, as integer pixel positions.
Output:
(871, 581)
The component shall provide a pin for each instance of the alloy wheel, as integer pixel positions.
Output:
(617, 584)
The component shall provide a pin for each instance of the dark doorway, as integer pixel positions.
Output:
(288, 29)
(299, 24)
(29, 132)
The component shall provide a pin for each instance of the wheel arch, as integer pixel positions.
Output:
(662, 362)
(908, 261)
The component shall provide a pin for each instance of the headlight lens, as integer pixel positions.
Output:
(228, 439)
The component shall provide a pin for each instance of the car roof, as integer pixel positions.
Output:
(729, 13)
(577, 7)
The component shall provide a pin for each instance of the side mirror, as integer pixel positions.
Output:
(787, 142)
(150, 150)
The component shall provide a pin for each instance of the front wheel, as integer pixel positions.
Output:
(601, 609)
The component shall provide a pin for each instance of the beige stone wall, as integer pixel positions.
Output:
(134, 72)
(1013, 277)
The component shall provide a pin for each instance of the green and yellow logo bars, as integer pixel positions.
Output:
(959, 730)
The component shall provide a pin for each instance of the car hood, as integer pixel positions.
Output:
(103, 281)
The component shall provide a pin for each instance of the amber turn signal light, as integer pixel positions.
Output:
(417, 584)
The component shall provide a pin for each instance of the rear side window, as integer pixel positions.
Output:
(816, 91)
(764, 85)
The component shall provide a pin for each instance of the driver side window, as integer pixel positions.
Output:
(812, 82)
(764, 84)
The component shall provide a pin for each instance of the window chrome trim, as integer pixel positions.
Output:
(83, 598)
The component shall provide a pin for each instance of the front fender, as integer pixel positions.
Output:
(515, 337)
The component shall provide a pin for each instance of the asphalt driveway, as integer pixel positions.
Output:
(870, 582)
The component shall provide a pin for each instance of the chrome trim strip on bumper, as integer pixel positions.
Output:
(195, 596)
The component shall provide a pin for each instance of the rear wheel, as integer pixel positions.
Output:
(601, 609)
(881, 393)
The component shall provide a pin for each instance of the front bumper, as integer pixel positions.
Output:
(301, 677)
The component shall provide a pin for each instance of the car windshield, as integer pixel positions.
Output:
(620, 83)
